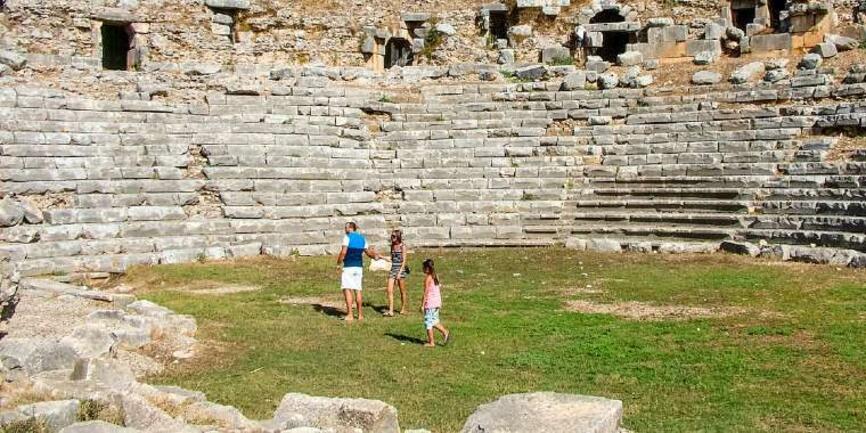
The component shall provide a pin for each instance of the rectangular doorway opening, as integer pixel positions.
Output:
(116, 46)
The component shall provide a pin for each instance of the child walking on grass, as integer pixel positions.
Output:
(431, 305)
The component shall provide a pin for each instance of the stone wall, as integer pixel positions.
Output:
(102, 184)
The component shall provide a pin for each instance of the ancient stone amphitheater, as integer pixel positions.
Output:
(148, 131)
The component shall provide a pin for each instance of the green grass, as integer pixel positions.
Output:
(794, 363)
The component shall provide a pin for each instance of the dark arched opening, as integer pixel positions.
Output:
(775, 8)
(499, 24)
(743, 17)
(398, 52)
(613, 42)
(607, 16)
(116, 46)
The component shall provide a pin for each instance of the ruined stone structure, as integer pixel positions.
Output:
(147, 139)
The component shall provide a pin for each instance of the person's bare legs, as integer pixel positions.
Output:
(348, 295)
(404, 295)
(390, 291)
(431, 342)
(442, 329)
(359, 300)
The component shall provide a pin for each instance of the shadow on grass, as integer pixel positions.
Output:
(329, 310)
(406, 338)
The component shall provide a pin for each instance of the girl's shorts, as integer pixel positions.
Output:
(431, 317)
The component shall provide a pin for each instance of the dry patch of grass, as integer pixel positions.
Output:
(645, 311)
(225, 290)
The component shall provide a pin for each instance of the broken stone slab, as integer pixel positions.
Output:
(55, 414)
(97, 427)
(745, 248)
(830, 256)
(608, 80)
(35, 355)
(596, 64)
(842, 43)
(713, 31)
(531, 72)
(574, 81)
(228, 4)
(825, 50)
(198, 69)
(517, 34)
(506, 57)
(706, 77)
(91, 341)
(108, 372)
(604, 245)
(15, 61)
(629, 58)
(140, 414)
(367, 416)
(446, 29)
(11, 213)
(415, 17)
(705, 58)
(59, 288)
(775, 75)
(224, 416)
(747, 72)
(546, 412)
(556, 54)
(811, 61)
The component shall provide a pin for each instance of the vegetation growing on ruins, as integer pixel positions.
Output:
(694, 343)
(433, 40)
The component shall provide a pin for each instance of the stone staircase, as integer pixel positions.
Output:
(118, 183)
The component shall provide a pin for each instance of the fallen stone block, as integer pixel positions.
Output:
(842, 43)
(367, 416)
(55, 414)
(825, 50)
(228, 4)
(546, 412)
(531, 72)
(810, 61)
(97, 427)
(574, 81)
(706, 77)
(608, 80)
(11, 213)
(604, 245)
(748, 72)
(629, 58)
(15, 61)
(745, 248)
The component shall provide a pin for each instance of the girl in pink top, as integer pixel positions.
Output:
(431, 305)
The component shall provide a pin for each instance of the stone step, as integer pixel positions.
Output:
(781, 236)
(722, 220)
(694, 205)
(739, 181)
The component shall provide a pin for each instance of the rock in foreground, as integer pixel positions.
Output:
(337, 414)
(546, 412)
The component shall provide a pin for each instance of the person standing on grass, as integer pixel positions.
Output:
(399, 271)
(431, 305)
(351, 262)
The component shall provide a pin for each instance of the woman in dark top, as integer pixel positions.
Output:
(399, 271)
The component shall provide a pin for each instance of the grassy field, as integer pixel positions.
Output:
(772, 347)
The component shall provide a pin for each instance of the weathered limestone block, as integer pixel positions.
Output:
(546, 412)
(368, 416)
(16, 61)
(747, 72)
(55, 414)
(228, 4)
(706, 77)
(97, 427)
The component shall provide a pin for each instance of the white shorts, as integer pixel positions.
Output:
(352, 278)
